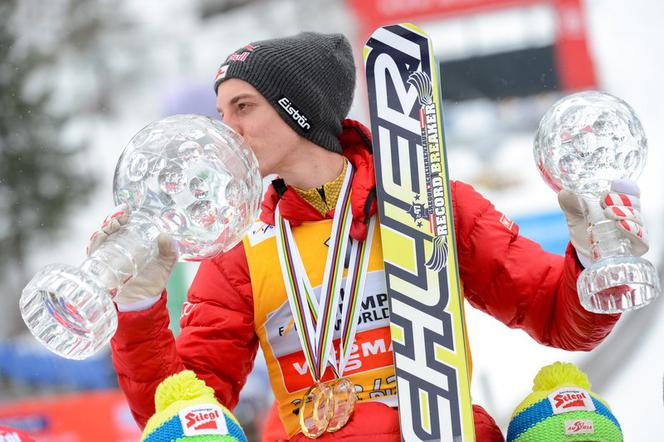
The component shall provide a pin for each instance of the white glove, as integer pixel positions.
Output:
(145, 288)
(621, 204)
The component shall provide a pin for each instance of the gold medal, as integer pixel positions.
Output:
(343, 403)
(316, 410)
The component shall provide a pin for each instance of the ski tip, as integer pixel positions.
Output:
(410, 26)
(413, 28)
(385, 33)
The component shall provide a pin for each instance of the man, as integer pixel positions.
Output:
(288, 98)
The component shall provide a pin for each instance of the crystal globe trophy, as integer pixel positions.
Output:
(189, 176)
(584, 142)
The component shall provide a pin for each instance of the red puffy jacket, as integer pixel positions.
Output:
(519, 284)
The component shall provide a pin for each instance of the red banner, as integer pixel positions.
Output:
(574, 63)
(576, 71)
(98, 416)
(375, 13)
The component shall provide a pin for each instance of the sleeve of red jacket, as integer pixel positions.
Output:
(217, 339)
(513, 279)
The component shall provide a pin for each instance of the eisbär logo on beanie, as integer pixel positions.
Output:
(295, 113)
(203, 419)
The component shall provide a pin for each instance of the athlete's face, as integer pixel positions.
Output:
(244, 109)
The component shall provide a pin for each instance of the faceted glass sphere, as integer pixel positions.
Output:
(588, 139)
(195, 178)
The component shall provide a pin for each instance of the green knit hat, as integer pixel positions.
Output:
(187, 411)
(562, 408)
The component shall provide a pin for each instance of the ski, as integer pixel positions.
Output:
(416, 226)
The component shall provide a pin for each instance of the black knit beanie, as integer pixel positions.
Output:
(308, 78)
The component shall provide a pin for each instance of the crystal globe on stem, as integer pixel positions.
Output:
(584, 142)
(189, 176)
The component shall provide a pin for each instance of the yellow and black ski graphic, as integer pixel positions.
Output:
(416, 222)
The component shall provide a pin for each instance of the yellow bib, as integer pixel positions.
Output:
(370, 364)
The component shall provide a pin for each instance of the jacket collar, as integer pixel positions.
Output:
(355, 141)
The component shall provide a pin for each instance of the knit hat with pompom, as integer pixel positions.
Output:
(186, 410)
(562, 408)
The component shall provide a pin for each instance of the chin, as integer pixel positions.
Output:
(262, 168)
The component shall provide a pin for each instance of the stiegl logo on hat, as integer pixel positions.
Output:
(198, 420)
(565, 400)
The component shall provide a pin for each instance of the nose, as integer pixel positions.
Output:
(233, 124)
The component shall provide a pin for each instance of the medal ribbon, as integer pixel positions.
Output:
(353, 293)
(302, 313)
(331, 286)
(316, 335)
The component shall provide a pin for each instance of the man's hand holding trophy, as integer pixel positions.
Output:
(190, 188)
(590, 147)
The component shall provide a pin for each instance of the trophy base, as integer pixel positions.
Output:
(618, 284)
(67, 312)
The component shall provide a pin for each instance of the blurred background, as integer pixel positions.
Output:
(78, 78)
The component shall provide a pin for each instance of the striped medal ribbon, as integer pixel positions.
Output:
(343, 390)
(315, 319)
